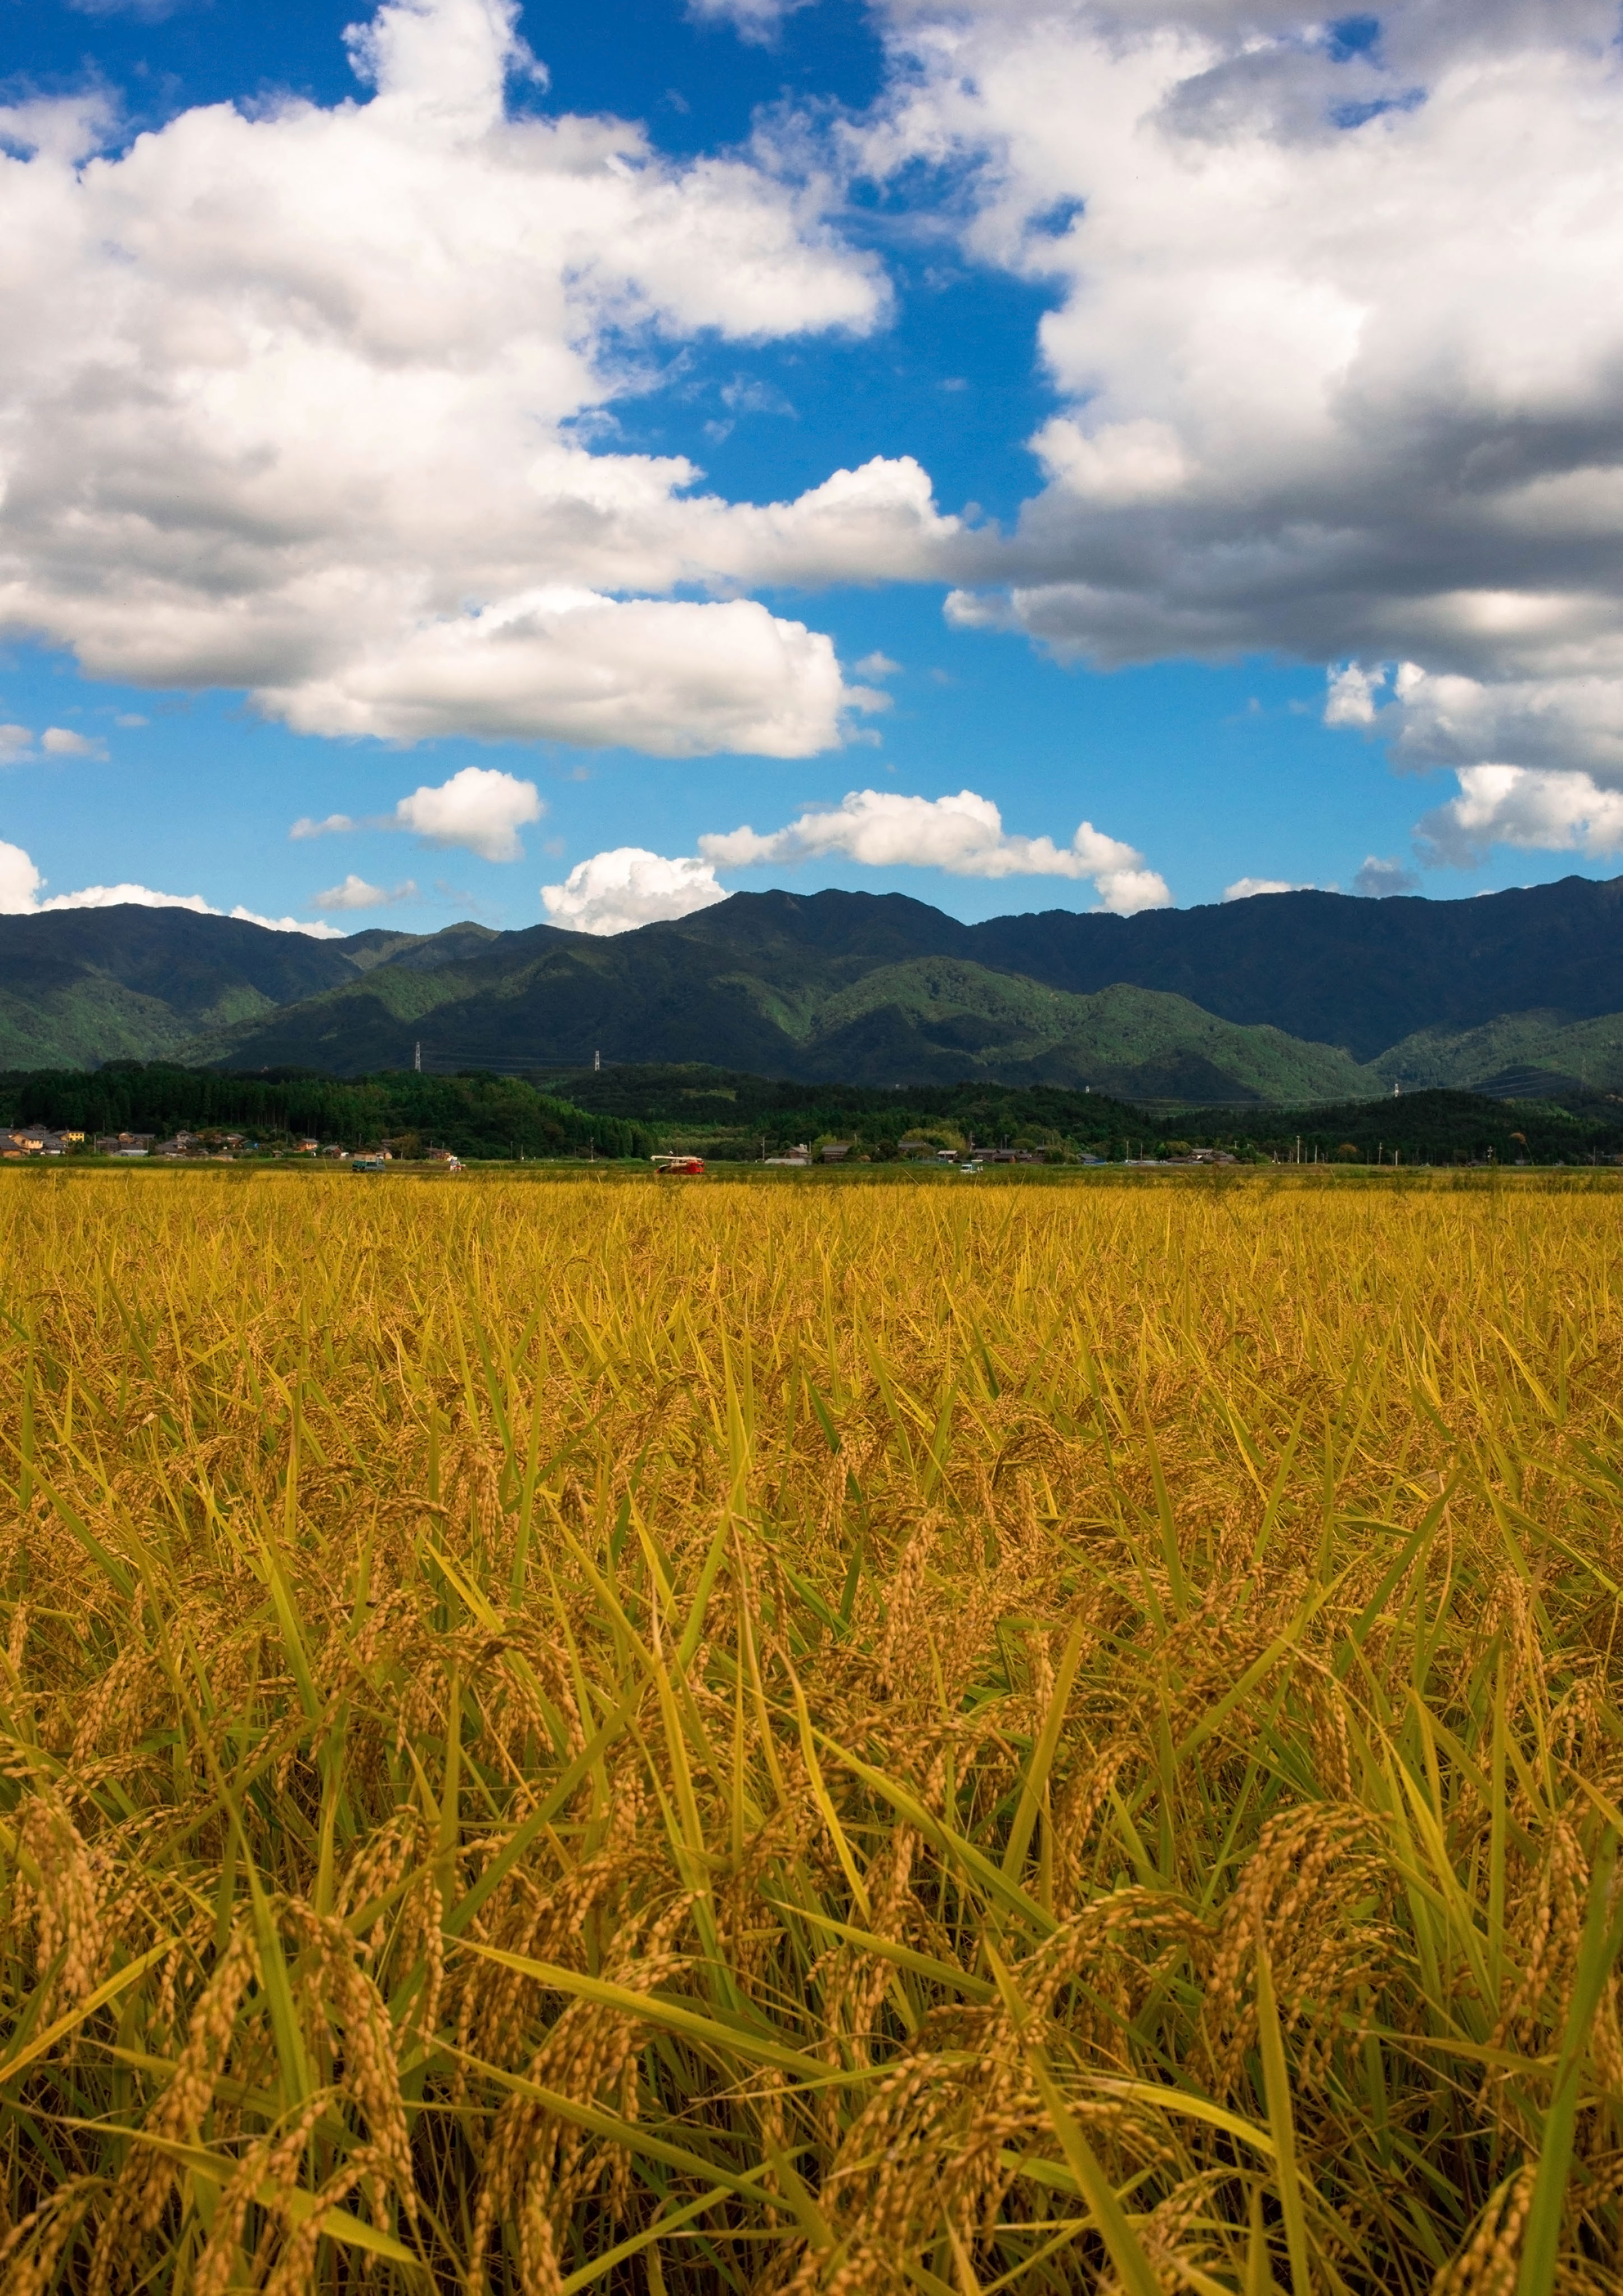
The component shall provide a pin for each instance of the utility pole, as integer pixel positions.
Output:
(417, 1057)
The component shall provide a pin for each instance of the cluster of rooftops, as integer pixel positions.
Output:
(41, 1140)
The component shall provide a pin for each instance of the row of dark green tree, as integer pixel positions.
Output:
(472, 1115)
(741, 1112)
(732, 1117)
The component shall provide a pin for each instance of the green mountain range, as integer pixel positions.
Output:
(924, 1020)
(1290, 999)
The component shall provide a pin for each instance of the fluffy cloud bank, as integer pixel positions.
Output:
(478, 808)
(356, 893)
(1246, 889)
(678, 679)
(614, 892)
(282, 398)
(20, 882)
(1337, 340)
(1513, 805)
(963, 834)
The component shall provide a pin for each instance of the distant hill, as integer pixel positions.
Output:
(543, 999)
(938, 1019)
(79, 987)
(1532, 1055)
(1339, 970)
(1285, 998)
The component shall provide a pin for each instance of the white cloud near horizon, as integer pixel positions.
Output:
(21, 882)
(616, 891)
(1378, 880)
(356, 893)
(965, 835)
(1246, 889)
(284, 391)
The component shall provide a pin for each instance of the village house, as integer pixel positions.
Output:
(36, 1140)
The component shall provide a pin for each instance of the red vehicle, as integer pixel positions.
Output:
(680, 1168)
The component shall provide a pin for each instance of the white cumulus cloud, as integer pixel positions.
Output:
(284, 393)
(478, 808)
(1351, 698)
(20, 882)
(1377, 880)
(679, 679)
(963, 835)
(17, 745)
(117, 897)
(335, 825)
(1556, 724)
(616, 891)
(274, 924)
(1246, 889)
(1515, 805)
(356, 893)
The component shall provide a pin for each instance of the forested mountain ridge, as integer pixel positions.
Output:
(875, 989)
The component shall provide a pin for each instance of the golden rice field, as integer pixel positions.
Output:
(590, 1733)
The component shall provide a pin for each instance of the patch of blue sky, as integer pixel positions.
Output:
(1354, 35)
(695, 86)
(952, 379)
(1214, 773)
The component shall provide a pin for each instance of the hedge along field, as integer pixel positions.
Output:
(588, 1734)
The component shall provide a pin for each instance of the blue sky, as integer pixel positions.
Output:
(1252, 471)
